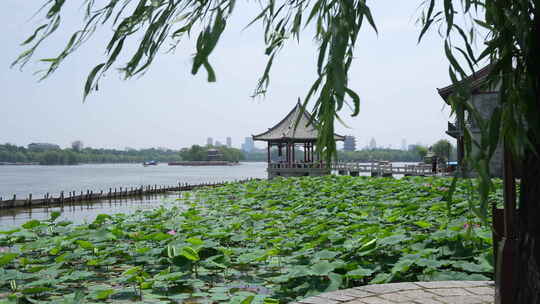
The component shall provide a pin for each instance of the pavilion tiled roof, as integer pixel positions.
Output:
(477, 79)
(285, 129)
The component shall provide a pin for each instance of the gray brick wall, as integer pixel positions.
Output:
(485, 104)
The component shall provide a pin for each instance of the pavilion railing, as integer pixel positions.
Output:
(298, 165)
(380, 167)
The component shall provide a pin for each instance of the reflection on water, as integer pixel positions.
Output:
(83, 212)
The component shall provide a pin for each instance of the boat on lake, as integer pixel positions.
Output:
(150, 163)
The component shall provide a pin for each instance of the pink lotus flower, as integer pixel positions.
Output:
(171, 232)
(4, 249)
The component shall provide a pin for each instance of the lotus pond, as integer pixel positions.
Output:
(258, 242)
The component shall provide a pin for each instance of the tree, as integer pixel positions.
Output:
(442, 148)
(198, 153)
(419, 150)
(509, 32)
(195, 153)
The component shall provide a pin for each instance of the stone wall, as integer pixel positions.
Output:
(485, 104)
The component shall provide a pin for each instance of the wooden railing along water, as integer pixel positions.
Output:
(112, 193)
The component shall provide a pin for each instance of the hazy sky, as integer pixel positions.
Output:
(168, 107)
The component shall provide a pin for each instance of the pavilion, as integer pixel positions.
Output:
(288, 135)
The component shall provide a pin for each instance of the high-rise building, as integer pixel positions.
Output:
(229, 142)
(350, 143)
(209, 141)
(217, 143)
(404, 144)
(372, 143)
(248, 145)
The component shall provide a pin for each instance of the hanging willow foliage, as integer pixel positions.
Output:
(508, 32)
(337, 24)
(505, 29)
(509, 44)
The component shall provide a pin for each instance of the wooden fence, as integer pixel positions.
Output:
(113, 193)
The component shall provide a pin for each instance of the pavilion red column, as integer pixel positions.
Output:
(287, 154)
(293, 156)
(290, 153)
(268, 152)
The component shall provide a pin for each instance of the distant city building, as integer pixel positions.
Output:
(42, 147)
(77, 145)
(209, 141)
(229, 142)
(372, 143)
(349, 143)
(404, 144)
(217, 143)
(248, 145)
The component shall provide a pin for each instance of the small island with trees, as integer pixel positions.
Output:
(209, 156)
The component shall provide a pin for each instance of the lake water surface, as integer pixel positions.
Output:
(83, 212)
(38, 180)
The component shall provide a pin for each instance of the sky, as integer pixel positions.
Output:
(395, 77)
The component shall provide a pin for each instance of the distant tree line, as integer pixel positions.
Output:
(394, 155)
(416, 153)
(200, 153)
(257, 156)
(69, 156)
(50, 154)
(262, 155)
(443, 149)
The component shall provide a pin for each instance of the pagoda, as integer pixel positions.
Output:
(294, 132)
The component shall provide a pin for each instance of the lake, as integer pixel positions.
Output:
(38, 180)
